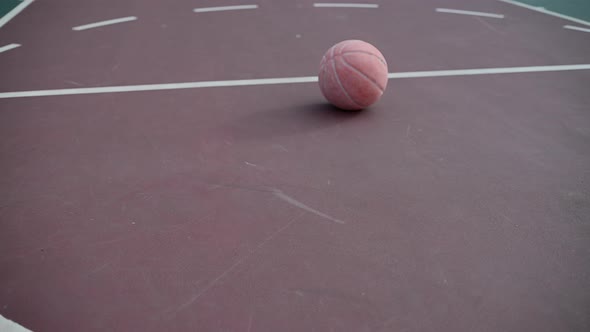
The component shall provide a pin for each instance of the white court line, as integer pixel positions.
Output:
(468, 12)
(8, 47)
(224, 8)
(103, 23)
(571, 27)
(545, 11)
(15, 11)
(286, 80)
(488, 71)
(7, 325)
(345, 5)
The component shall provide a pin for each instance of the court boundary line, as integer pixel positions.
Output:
(572, 27)
(345, 5)
(104, 23)
(284, 80)
(545, 11)
(468, 12)
(9, 47)
(224, 8)
(14, 12)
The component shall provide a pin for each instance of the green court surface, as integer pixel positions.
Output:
(7, 5)
(574, 8)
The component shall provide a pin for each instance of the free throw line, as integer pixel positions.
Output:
(468, 12)
(103, 23)
(15, 11)
(8, 47)
(345, 5)
(224, 8)
(545, 11)
(571, 27)
(286, 80)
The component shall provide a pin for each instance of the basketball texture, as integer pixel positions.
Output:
(353, 75)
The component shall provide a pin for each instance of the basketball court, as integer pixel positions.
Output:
(173, 166)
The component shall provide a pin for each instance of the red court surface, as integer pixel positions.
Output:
(456, 203)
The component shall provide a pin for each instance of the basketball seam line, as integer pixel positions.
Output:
(368, 53)
(344, 45)
(340, 83)
(363, 75)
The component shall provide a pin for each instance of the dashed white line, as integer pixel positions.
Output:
(286, 80)
(468, 12)
(8, 47)
(345, 5)
(15, 11)
(224, 8)
(103, 23)
(545, 11)
(571, 27)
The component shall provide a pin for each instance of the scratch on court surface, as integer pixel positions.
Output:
(102, 243)
(250, 322)
(487, 25)
(243, 187)
(100, 268)
(505, 217)
(74, 83)
(213, 282)
(326, 293)
(280, 147)
(253, 165)
(302, 206)
(278, 193)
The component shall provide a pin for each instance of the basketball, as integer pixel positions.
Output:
(353, 75)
